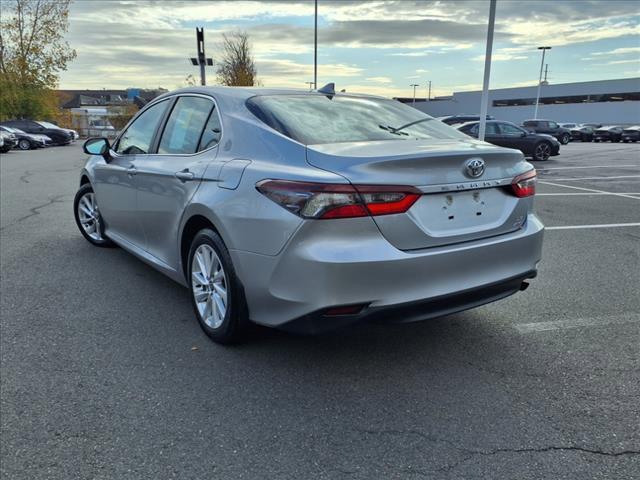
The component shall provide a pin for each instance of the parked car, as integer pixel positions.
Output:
(506, 134)
(582, 133)
(456, 119)
(563, 135)
(9, 140)
(592, 125)
(311, 210)
(73, 133)
(610, 134)
(58, 136)
(27, 141)
(569, 126)
(631, 134)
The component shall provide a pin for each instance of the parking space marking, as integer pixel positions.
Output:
(576, 323)
(602, 225)
(582, 193)
(572, 179)
(543, 169)
(624, 195)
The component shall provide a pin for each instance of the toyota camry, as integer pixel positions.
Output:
(308, 211)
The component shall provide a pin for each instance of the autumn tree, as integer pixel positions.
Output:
(236, 67)
(32, 54)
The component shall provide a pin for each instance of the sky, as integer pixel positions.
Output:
(376, 47)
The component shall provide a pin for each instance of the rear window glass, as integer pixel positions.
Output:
(316, 119)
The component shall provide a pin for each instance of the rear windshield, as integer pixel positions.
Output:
(316, 119)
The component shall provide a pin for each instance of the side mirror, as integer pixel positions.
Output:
(98, 146)
(523, 134)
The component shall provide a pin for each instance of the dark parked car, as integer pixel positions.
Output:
(550, 128)
(57, 136)
(506, 134)
(456, 119)
(26, 141)
(611, 134)
(7, 142)
(582, 133)
(631, 134)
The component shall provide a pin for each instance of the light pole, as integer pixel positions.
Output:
(414, 85)
(429, 93)
(310, 85)
(487, 71)
(544, 50)
(315, 46)
(201, 59)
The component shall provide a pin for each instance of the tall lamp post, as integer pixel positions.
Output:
(487, 71)
(414, 85)
(544, 49)
(429, 92)
(315, 47)
(201, 59)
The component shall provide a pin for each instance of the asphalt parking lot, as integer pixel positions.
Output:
(106, 374)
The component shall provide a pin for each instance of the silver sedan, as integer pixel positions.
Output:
(308, 211)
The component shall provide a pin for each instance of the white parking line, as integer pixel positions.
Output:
(570, 179)
(582, 193)
(577, 323)
(625, 195)
(602, 225)
(542, 169)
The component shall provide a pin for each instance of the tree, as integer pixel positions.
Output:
(237, 68)
(32, 53)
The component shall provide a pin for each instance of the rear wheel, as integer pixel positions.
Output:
(88, 219)
(542, 151)
(564, 138)
(216, 293)
(24, 144)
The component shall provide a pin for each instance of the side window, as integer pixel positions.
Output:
(473, 130)
(553, 125)
(492, 129)
(212, 131)
(185, 125)
(138, 137)
(510, 130)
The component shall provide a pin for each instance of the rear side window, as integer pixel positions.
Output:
(212, 131)
(185, 125)
(316, 119)
(530, 124)
(508, 129)
(138, 137)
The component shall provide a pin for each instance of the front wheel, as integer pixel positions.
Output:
(88, 219)
(216, 293)
(542, 151)
(24, 144)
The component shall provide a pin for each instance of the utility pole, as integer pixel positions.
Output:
(414, 85)
(546, 70)
(544, 49)
(487, 71)
(429, 94)
(315, 46)
(201, 60)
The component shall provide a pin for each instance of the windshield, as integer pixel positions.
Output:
(47, 125)
(317, 119)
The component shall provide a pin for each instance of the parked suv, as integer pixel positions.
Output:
(311, 210)
(550, 128)
(57, 135)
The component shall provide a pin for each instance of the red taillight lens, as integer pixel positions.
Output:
(524, 185)
(325, 201)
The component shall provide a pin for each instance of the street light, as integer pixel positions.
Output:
(429, 92)
(414, 85)
(311, 84)
(544, 49)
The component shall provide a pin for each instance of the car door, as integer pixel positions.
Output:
(516, 137)
(115, 182)
(168, 178)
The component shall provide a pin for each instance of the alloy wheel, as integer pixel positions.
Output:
(89, 216)
(209, 286)
(24, 144)
(543, 151)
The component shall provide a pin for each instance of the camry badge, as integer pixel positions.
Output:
(474, 167)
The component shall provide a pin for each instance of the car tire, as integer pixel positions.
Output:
(217, 295)
(5, 149)
(88, 219)
(565, 138)
(542, 151)
(24, 144)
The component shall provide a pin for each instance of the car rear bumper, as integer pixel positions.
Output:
(348, 262)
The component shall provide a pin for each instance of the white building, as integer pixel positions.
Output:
(605, 101)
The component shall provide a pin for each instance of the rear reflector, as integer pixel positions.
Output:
(344, 310)
(327, 201)
(524, 185)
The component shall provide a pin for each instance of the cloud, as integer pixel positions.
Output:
(500, 57)
(383, 80)
(620, 51)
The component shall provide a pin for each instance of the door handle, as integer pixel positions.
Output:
(132, 170)
(184, 175)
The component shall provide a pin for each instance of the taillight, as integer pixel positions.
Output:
(326, 200)
(524, 185)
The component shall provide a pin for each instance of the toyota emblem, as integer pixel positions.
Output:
(474, 167)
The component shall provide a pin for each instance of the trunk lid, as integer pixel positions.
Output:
(455, 207)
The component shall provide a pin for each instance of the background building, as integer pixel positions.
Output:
(605, 101)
